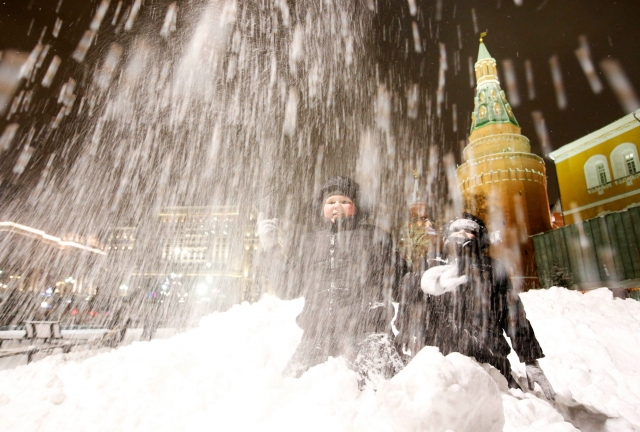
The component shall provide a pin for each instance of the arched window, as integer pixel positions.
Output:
(596, 171)
(624, 160)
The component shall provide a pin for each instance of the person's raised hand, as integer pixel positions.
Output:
(267, 232)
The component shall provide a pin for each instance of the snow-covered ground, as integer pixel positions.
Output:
(225, 376)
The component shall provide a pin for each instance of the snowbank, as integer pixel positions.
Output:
(592, 347)
(225, 375)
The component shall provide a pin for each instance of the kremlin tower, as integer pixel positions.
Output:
(501, 181)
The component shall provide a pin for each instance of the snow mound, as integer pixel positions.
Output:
(226, 375)
(436, 393)
(592, 346)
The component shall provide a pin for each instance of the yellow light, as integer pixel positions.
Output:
(45, 236)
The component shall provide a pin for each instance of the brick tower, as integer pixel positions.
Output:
(501, 181)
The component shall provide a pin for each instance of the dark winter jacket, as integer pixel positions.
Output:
(344, 270)
(471, 318)
(345, 273)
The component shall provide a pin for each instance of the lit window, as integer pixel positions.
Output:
(596, 171)
(602, 174)
(630, 162)
(624, 160)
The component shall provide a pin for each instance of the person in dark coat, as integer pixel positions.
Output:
(470, 304)
(345, 272)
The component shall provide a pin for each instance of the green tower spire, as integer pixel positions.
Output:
(490, 105)
(483, 52)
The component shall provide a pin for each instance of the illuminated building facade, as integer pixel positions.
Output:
(206, 251)
(121, 240)
(501, 181)
(41, 275)
(600, 173)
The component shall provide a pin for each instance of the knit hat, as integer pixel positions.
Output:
(340, 186)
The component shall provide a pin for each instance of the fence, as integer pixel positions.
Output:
(604, 251)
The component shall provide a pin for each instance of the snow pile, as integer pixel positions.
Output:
(436, 393)
(592, 346)
(225, 375)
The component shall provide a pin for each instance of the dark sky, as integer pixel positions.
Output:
(535, 31)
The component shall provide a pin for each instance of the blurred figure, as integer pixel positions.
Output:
(467, 301)
(345, 272)
(152, 318)
(118, 324)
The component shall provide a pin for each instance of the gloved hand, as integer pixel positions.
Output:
(442, 279)
(267, 232)
(535, 375)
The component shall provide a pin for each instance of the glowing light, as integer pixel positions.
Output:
(48, 237)
(202, 289)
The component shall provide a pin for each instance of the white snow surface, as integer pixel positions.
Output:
(226, 375)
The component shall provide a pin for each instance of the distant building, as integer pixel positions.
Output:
(501, 181)
(199, 251)
(600, 173)
(120, 243)
(37, 260)
(121, 240)
(42, 275)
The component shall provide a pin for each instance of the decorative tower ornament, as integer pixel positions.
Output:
(501, 181)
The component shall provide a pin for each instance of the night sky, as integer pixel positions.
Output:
(535, 31)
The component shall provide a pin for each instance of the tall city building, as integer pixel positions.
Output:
(203, 251)
(501, 181)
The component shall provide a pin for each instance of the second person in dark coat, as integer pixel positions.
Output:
(468, 304)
